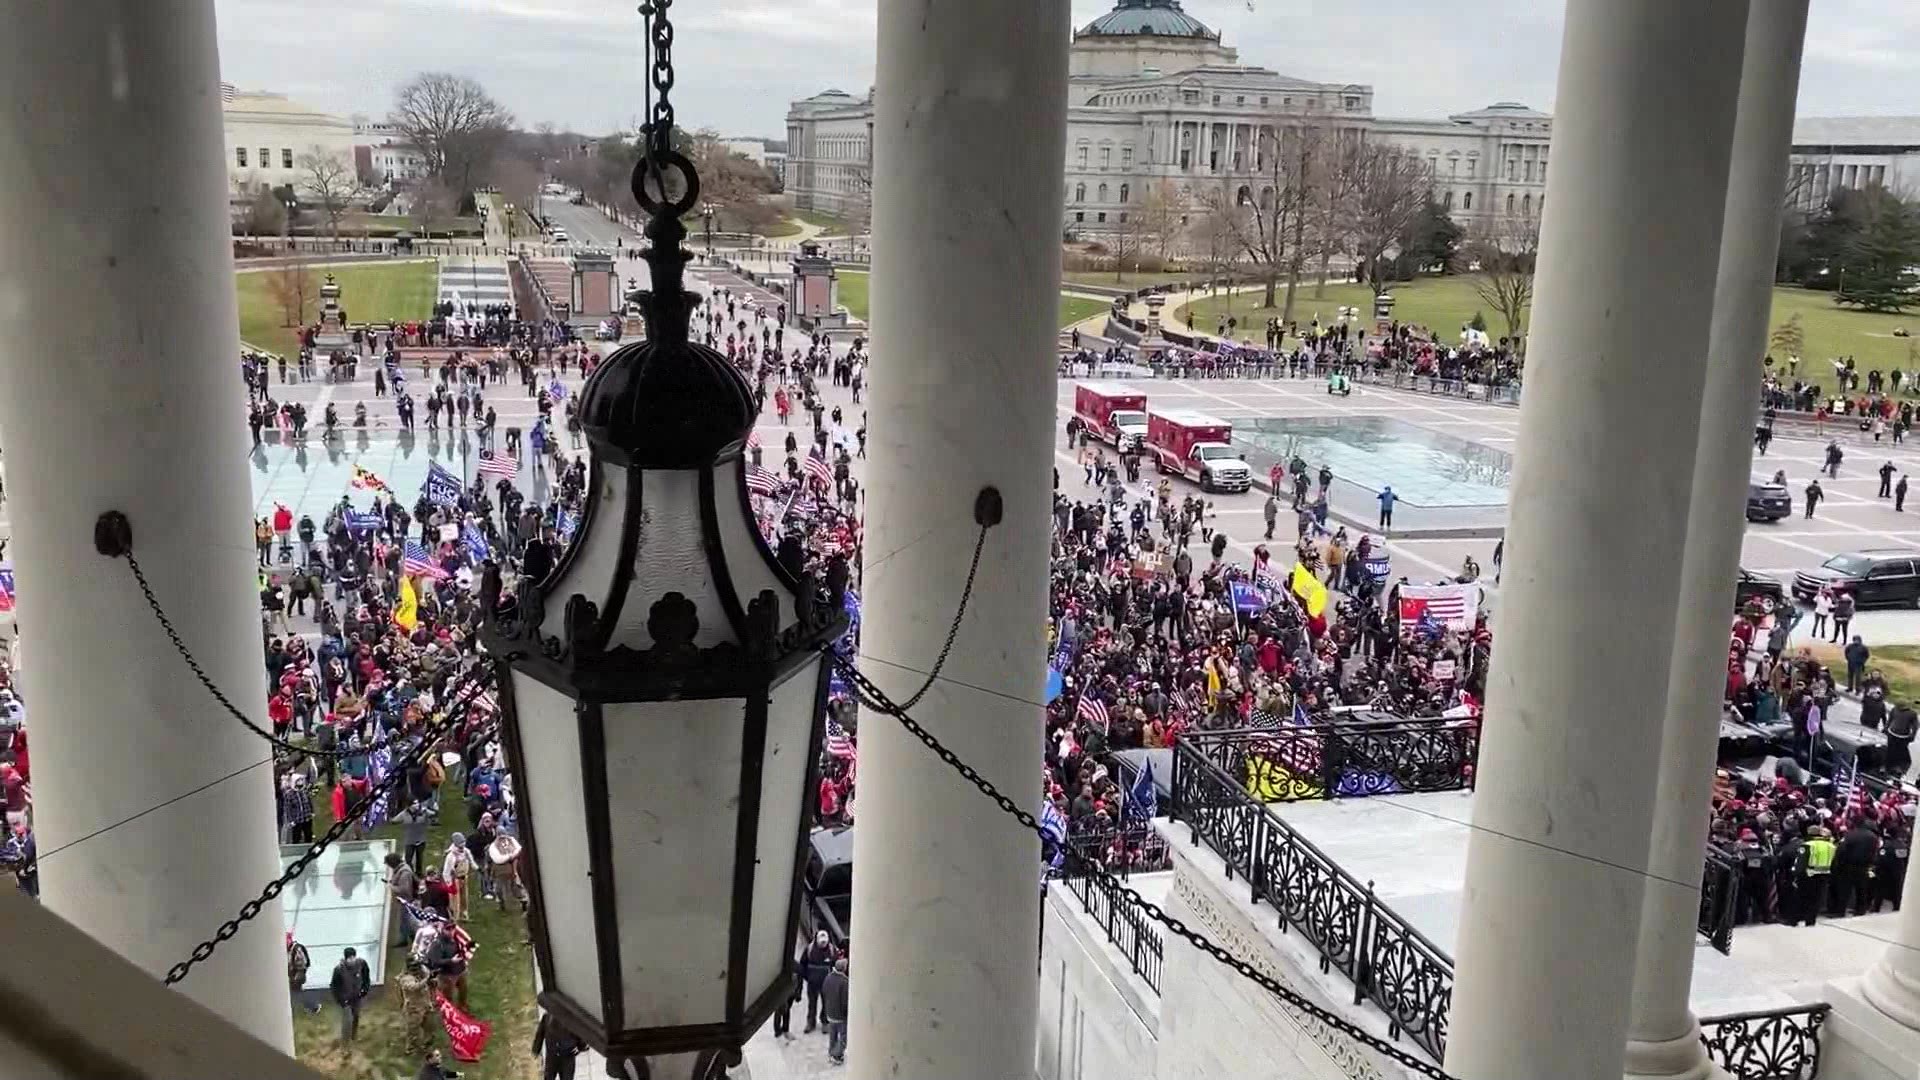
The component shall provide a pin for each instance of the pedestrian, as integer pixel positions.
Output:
(431, 1069)
(457, 868)
(298, 961)
(783, 1014)
(1834, 455)
(1900, 494)
(1843, 605)
(1815, 871)
(1814, 495)
(815, 963)
(556, 1047)
(1387, 499)
(1902, 724)
(351, 981)
(1822, 607)
(416, 1007)
(834, 1000)
(1272, 511)
(402, 885)
(1886, 480)
(1856, 654)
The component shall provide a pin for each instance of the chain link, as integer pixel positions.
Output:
(660, 78)
(871, 693)
(473, 678)
(199, 673)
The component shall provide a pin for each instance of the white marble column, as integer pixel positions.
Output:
(1663, 1035)
(971, 129)
(120, 390)
(1603, 473)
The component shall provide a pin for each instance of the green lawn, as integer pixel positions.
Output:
(400, 290)
(781, 228)
(853, 296)
(499, 987)
(1836, 331)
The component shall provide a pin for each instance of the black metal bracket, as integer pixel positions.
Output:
(113, 535)
(988, 507)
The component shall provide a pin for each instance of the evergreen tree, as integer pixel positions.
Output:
(1876, 265)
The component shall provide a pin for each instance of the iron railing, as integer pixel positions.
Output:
(1778, 1044)
(1126, 926)
(1719, 899)
(1389, 962)
(1321, 761)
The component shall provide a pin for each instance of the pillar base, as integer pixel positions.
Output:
(1893, 992)
(1684, 1058)
(1863, 1041)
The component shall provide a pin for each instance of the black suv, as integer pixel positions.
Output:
(828, 886)
(1768, 501)
(1874, 576)
(1752, 586)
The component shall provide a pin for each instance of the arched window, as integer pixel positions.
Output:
(1124, 190)
(1466, 201)
(1509, 202)
(1244, 197)
(1079, 193)
(1526, 205)
(1266, 198)
(1103, 193)
(1449, 201)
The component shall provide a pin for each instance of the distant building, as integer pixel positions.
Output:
(384, 156)
(1155, 96)
(267, 134)
(1834, 153)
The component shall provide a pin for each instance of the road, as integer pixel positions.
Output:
(586, 225)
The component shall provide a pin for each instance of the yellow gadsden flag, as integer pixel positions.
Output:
(406, 611)
(1308, 589)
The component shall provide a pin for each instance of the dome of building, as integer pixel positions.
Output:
(1153, 18)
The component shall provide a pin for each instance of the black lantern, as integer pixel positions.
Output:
(662, 693)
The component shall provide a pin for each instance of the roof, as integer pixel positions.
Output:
(1856, 131)
(1503, 110)
(1148, 18)
(1188, 418)
(1110, 389)
(260, 101)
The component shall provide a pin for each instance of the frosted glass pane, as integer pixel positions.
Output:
(550, 741)
(783, 797)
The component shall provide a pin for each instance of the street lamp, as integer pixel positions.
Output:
(709, 211)
(662, 693)
(509, 224)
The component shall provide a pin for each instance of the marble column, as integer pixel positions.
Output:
(1893, 984)
(1603, 475)
(971, 129)
(1663, 1035)
(114, 221)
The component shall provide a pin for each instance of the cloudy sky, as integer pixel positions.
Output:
(577, 63)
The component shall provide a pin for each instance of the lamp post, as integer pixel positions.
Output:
(509, 224)
(662, 692)
(709, 211)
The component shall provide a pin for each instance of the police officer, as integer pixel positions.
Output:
(1815, 870)
(1755, 861)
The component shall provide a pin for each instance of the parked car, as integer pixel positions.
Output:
(1873, 576)
(828, 886)
(1753, 586)
(1768, 501)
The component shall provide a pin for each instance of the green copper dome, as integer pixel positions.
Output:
(1157, 18)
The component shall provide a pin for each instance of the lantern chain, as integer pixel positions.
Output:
(205, 680)
(953, 631)
(474, 678)
(1151, 910)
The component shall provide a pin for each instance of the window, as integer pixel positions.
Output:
(1471, 162)
(1509, 202)
(266, 158)
(1079, 193)
(1453, 166)
(1101, 217)
(240, 156)
(1526, 205)
(1240, 100)
(1080, 216)
(286, 159)
(1103, 194)
(1466, 201)
(1513, 170)
(1286, 101)
(1448, 202)
(1263, 99)
(1106, 157)
(1216, 99)
(1126, 156)
(1124, 192)
(1083, 157)
(1123, 217)
(1353, 102)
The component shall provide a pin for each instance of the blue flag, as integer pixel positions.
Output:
(442, 488)
(1300, 712)
(475, 542)
(1143, 802)
(364, 522)
(565, 523)
(1052, 825)
(1245, 596)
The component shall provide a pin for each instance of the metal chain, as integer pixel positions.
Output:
(660, 78)
(430, 736)
(1147, 907)
(193, 664)
(953, 630)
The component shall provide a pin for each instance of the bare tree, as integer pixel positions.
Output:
(1130, 239)
(1332, 217)
(1164, 206)
(329, 184)
(265, 215)
(1270, 224)
(518, 181)
(294, 287)
(1506, 247)
(453, 121)
(433, 204)
(1390, 189)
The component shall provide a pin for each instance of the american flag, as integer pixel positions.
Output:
(753, 439)
(819, 470)
(761, 482)
(416, 562)
(838, 743)
(499, 465)
(1265, 577)
(1093, 711)
(1848, 791)
(6, 587)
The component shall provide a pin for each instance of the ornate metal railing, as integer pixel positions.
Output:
(1137, 849)
(1719, 899)
(1321, 761)
(1780, 1044)
(1390, 963)
(1130, 931)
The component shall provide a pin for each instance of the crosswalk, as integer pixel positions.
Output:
(475, 281)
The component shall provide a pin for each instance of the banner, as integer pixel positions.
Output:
(1453, 606)
(468, 1036)
(449, 533)
(1312, 594)
(406, 610)
(1443, 670)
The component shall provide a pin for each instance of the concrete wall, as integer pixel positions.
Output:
(1098, 1020)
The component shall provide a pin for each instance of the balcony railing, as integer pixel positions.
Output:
(1719, 899)
(1126, 926)
(1781, 1044)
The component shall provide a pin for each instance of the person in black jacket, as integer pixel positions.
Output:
(351, 981)
(1853, 861)
(833, 996)
(815, 963)
(561, 1048)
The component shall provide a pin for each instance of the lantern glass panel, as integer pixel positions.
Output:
(671, 556)
(550, 747)
(591, 568)
(740, 542)
(673, 800)
(783, 800)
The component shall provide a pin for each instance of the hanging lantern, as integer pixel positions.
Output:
(662, 694)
